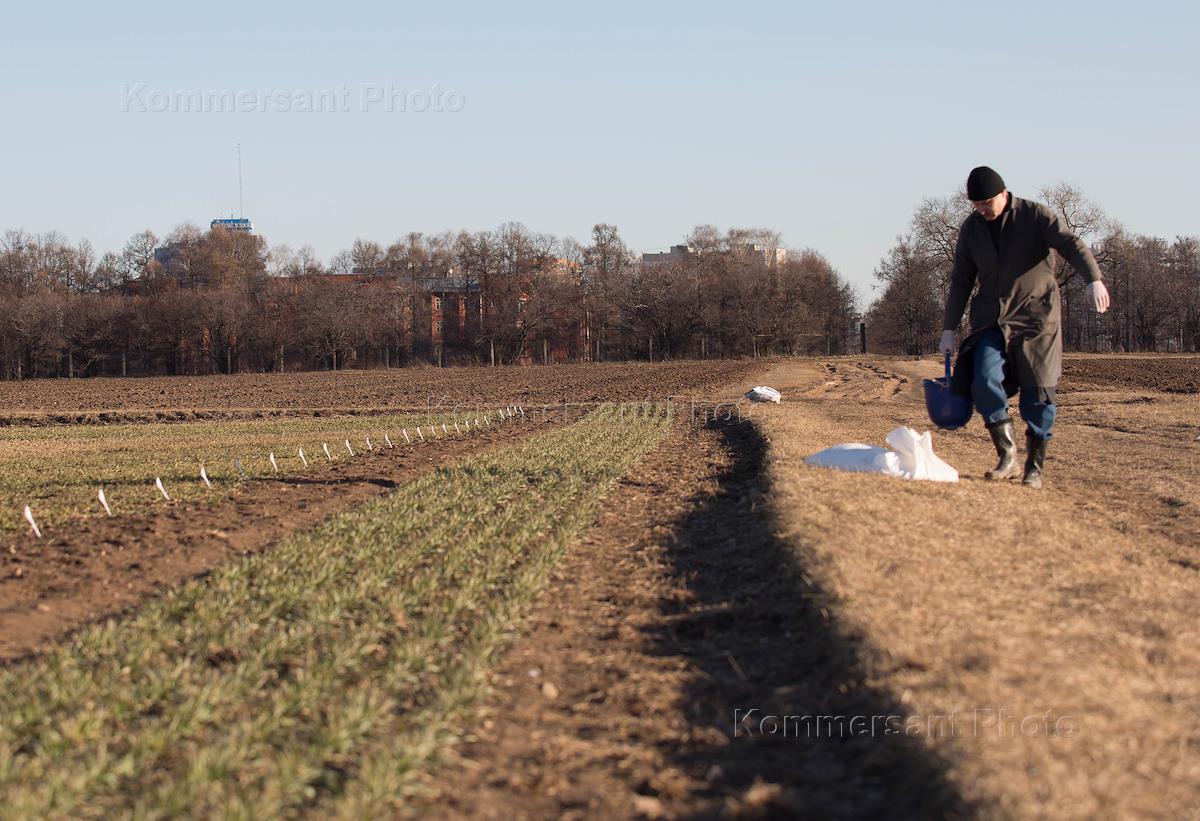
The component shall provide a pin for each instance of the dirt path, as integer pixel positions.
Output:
(1037, 652)
(98, 567)
(1013, 611)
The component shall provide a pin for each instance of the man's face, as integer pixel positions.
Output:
(991, 208)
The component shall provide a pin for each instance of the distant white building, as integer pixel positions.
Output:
(771, 256)
(678, 253)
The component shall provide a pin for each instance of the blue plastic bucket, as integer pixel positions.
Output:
(947, 410)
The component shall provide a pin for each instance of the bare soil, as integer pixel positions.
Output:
(1172, 374)
(250, 396)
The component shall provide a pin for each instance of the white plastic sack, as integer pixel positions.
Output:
(911, 457)
(761, 393)
(917, 459)
(857, 457)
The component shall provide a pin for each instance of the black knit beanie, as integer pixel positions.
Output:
(983, 183)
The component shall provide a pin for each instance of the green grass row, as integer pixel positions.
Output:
(320, 676)
(58, 470)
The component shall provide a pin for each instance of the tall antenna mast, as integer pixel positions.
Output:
(241, 209)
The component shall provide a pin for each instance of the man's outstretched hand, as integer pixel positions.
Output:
(947, 344)
(1097, 296)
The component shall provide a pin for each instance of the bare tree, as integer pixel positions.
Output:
(934, 232)
(605, 267)
(906, 315)
(136, 257)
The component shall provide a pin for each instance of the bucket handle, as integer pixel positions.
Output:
(947, 367)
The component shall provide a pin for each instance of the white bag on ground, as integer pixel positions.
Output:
(761, 393)
(911, 457)
(857, 457)
(917, 459)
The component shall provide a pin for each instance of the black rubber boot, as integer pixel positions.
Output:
(1003, 434)
(1035, 457)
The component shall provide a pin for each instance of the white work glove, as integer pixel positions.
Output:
(947, 344)
(1097, 296)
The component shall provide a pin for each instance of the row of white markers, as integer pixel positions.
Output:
(506, 413)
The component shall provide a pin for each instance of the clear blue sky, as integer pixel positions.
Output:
(828, 126)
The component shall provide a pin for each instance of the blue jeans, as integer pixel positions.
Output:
(987, 389)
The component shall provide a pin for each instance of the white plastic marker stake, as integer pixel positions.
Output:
(388, 439)
(445, 430)
(302, 459)
(521, 408)
(457, 432)
(407, 441)
(29, 518)
(486, 419)
(237, 465)
(369, 448)
(274, 464)
(349, 448)
(204, 477)
(420, 434)
(432, 432)
(104, 502)
(328, 455)
(158, 484)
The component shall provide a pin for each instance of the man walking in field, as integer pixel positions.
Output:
(1016, 341)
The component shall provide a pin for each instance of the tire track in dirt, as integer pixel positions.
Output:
(98, 567)
(858, 380)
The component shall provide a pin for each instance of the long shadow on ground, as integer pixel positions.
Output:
(766, 639)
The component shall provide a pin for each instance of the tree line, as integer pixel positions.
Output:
(1154, 282)
(222, 301)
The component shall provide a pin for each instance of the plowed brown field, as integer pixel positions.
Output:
(111, 400)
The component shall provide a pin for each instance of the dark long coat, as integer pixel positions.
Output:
(1017, 290)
